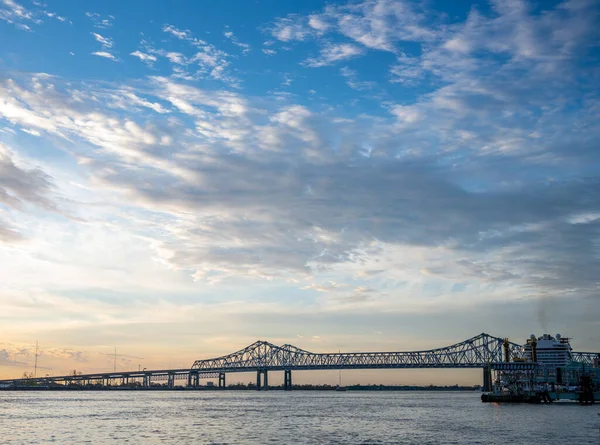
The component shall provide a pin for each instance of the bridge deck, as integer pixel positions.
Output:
(480, 351)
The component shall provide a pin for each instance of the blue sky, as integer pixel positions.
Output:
(377, 174)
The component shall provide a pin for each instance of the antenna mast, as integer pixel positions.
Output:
(115, 367)
(36, 356)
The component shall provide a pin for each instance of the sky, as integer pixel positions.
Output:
(181, 179)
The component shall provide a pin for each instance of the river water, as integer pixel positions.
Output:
(277, 417)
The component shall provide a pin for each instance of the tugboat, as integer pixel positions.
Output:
(545, 373)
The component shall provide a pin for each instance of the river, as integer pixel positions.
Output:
(277, 417)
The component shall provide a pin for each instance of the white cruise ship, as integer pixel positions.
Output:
(549, 351)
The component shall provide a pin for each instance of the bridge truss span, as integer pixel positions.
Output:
(476, 352)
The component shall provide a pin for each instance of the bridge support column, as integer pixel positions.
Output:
(171, 381)
(487, 379)
(287, 380)
(221, 380)
(196, 380)
(147, 381)
(264, 385)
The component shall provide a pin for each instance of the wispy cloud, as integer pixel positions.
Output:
(6, 360)
(333, 53)
(105, 54)
(13, 12)
(106, 42)
(99, 21)
(291, 28)
(353, 82)
(185, 34)
(231, 36)
(207, 61)
(146, 58)
(376, 24)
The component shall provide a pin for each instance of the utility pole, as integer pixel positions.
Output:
(36, 355)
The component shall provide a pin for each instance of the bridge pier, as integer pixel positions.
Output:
(221, 380)
(287, 380)
(487, 379)
(265, 380)
(171, 381)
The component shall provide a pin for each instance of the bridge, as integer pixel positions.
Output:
(482, 351)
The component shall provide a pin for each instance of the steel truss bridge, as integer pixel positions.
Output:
(482, 351)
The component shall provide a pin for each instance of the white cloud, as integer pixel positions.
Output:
(106, 42)
(353, 82)
(13, 12)
(333, 53)
(146, 58)
(99, 21)
(208, 60)
(231, 36)
(318, 23)
(180, 34)
(406, 114)
(376, 24)
(105, 54)
(291, 28)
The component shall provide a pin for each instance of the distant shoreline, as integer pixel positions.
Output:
(372, 388)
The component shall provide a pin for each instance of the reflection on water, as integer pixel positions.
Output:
(248, 417)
